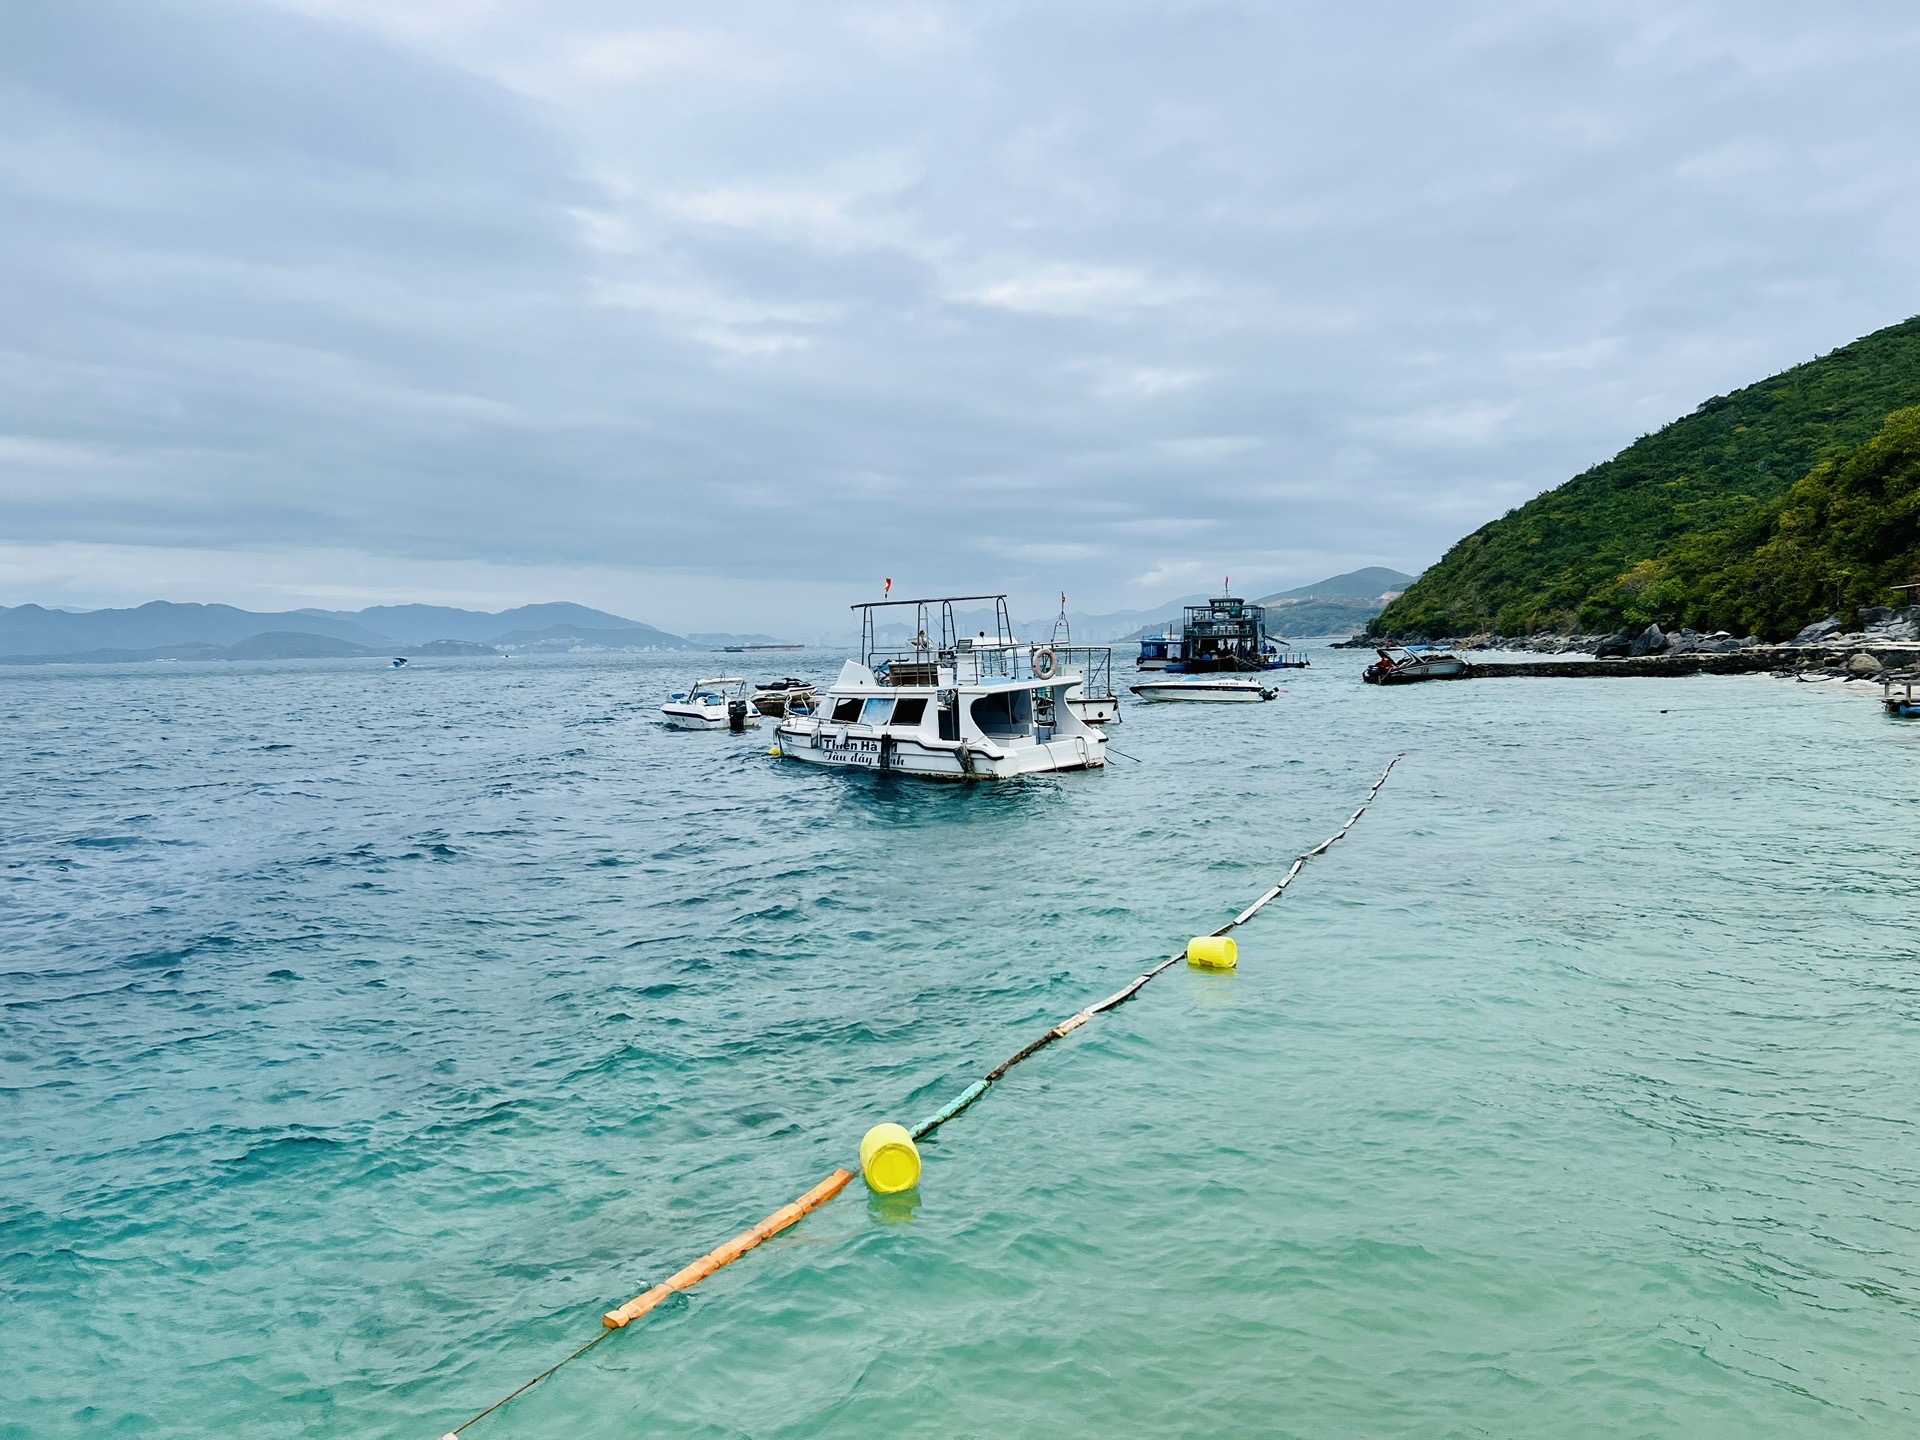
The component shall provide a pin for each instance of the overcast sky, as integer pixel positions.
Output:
(714, 315)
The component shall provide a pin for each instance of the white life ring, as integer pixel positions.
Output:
(1044, 664)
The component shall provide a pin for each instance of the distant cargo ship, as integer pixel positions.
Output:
(755, 649)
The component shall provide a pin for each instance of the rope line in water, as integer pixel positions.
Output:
(788, 1215)
(1120, 997)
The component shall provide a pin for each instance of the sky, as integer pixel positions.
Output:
(717, 315)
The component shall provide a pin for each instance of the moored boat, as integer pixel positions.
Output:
(720, 703)
(948, 708)
(1896, 693)
(1405, 664)
(776, 697)
(1213, 689)
(1158, 652)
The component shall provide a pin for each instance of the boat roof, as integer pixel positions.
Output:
(923, 600)
(719, 680)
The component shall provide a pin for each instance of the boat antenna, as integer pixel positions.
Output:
(1062, 631)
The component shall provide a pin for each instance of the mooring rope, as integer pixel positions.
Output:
(791, 1214)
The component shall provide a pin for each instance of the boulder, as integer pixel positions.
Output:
(1818, 631)
(1864, 663)
(1651, 641)
(1612, 645)
(1872, 615)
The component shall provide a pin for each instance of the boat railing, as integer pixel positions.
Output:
(977, 664)
(1091, 664)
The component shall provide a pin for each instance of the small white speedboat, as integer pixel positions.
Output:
(717, 704)
(1217, 689)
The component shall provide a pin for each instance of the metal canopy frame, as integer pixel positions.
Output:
(923, 643)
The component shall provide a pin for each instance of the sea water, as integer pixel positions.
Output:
(367, 1033)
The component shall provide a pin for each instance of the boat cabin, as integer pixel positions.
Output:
(1227, 634)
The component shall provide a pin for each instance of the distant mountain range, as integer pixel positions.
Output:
(163, 630)
(1341, 605)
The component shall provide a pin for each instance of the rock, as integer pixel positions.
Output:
(1872, 615)
(1612, 645)
(1685, 643)
(1864, 663)
(1652, 641)
(1818, 631)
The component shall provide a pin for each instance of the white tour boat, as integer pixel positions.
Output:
(1229, 689)
(717, 704)
(959, 708)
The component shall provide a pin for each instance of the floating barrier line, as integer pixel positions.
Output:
(728, 1253)
(788, 1215)
(686, 1279)
(1120, 997)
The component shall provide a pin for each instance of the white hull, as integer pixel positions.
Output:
(1216, 692)
(699, 719)
(705, 705)
(911, 754)
(1103, 711)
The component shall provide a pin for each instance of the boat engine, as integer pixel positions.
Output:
(737, 716)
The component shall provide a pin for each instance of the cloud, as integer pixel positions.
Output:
(464, 292)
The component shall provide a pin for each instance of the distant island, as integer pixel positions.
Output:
(163, 630)
(167, 630)
(1762, 512)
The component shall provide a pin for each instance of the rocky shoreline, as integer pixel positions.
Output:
(1888, 639)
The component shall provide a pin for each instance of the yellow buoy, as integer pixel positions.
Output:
(889, 1159)
(1213, 952)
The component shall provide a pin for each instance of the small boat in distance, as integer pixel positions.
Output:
(715, 704)
(1225, 636)
(1157, 652)
(1404, 664)
(1896, 693)
(1214, 689)
(399, 662)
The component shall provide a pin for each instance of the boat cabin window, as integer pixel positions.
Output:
(845, 712)
(876, 711)
(910, 711)
(1006, 712)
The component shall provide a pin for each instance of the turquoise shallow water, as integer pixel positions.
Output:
(367, 1033)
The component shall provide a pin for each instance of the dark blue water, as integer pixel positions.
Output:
(366, 1034)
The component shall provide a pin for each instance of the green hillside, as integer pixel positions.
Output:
(1695, 525)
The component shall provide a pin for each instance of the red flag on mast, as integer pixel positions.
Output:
(888, 592)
